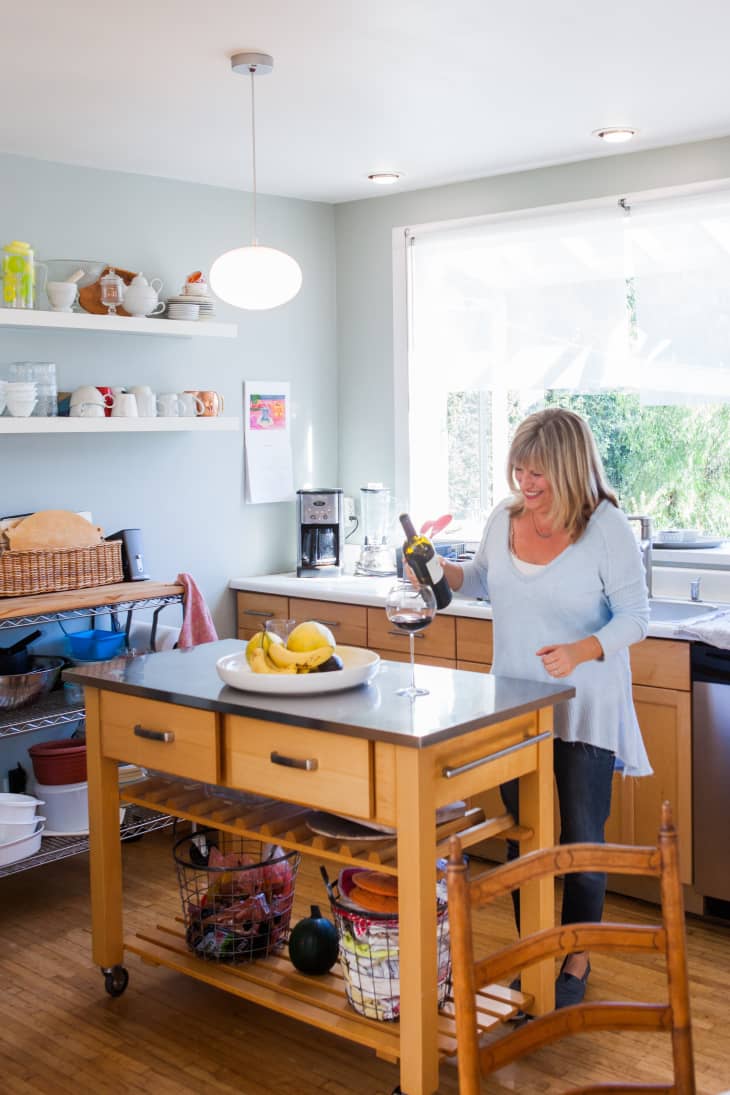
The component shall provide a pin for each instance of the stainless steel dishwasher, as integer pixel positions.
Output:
(711, 770)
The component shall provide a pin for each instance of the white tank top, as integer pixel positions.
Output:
(527, 568)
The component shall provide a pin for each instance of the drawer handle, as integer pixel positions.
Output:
(449, 773)
(256, 612)
(154, 735)
(331, 623)
(403, 635)
(308, 765)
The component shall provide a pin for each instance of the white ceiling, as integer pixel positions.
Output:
(441, 92)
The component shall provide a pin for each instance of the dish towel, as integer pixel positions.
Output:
(714, 629)
(197, 623)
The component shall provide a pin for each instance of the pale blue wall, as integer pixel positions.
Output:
(184, 490)
(365, 284)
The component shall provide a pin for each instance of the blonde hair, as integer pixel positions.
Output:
(561, 445)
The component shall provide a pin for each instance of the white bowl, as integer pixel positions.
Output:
(14, 830)
(21, 410)
(16, 807)
(22, 848)
(359, 666)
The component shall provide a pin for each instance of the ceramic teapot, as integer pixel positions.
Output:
(140, 297)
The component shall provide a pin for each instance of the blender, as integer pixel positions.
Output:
(376, 557)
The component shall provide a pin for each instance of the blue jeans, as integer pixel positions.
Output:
(584, 775)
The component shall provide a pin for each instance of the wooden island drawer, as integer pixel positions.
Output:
(324, 771)
(254, 609)
(348, 623)
(180, 740)
(438, 640)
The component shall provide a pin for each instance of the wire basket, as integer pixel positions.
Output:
(370, 956)
(236, 898)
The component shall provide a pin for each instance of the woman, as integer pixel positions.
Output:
(562, 570)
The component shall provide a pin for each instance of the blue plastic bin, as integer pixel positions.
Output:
(95, 645)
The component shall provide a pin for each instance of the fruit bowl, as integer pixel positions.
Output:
(359, 666)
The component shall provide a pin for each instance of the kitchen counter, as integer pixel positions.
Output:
(355, 589)
(365, 752)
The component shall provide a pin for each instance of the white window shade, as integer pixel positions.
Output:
(679, 254)
(538, 302)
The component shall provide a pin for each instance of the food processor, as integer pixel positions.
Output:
(376, 556)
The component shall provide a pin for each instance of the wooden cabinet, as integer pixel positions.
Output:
(180, 740)
(662, 697)
(437, 641)
(254, 609)
(348, 623)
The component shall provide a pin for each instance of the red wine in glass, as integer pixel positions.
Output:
(411, 608)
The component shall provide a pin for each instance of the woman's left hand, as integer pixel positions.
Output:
(560, 660)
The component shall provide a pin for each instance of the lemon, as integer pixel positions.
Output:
(310, 635)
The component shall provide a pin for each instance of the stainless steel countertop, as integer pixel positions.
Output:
(458, 701)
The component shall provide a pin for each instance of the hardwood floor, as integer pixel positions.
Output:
(167, 1035)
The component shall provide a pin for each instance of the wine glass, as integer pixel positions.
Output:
(411, 608)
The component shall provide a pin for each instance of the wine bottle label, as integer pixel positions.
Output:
(435, 570)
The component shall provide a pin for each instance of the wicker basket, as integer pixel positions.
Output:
(24, 572)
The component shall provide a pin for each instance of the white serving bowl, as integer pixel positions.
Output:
(11, 831)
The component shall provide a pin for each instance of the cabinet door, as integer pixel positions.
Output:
(348, 623)
(254, 609)
(665, 719)
(473, 642)
(421, 659)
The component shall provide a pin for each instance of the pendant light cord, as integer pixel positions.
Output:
(253, 149)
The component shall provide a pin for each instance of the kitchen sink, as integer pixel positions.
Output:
(661, 611)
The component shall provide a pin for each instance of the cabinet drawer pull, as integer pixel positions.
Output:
(154, 735)
(402, 635)
(331, 623)
(308, 765)
(449, 773)
(256, 612)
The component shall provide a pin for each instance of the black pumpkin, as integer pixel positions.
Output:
(313, 943)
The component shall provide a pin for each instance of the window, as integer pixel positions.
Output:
(620, 312)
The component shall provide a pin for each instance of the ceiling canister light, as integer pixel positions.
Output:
(255, 277)
(384, 178)
(615, 134)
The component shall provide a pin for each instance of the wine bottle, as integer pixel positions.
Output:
(420, 554)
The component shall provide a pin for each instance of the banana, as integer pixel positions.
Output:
(301, 660)
(260, 663)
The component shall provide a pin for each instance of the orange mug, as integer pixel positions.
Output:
(213, 403)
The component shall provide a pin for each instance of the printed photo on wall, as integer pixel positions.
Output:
(268, 453)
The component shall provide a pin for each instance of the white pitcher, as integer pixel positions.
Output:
(140, 297)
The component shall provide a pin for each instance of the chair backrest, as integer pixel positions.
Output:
(668, 938)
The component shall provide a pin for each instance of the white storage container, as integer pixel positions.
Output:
(66, 808)
(21, 849)
(15, 830)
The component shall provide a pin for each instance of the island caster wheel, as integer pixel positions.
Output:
(116, 980)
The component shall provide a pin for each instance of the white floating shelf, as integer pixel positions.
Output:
(124, 325)
(118, 425)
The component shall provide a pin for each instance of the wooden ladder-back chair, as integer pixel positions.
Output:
(667, 938)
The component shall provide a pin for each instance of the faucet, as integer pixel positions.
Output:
(694, 589)
(645, 540)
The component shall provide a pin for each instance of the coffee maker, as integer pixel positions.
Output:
(320, 532)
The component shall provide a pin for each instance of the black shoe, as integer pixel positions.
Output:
(570, 989)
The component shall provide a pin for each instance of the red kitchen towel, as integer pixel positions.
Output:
(197, 623)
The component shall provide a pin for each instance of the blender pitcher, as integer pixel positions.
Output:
(376, 556)
(19, 275)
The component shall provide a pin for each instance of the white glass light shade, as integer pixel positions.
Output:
(255, 278)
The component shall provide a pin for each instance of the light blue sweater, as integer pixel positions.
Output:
(595, 587)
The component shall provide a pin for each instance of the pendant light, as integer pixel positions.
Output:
(255, 277)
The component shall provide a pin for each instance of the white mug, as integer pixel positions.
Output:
(86, 410)
(146, 400)
(169, 405)
(87, 394)
(125, 405)
(190, 404)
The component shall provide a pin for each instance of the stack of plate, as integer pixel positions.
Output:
(178, 307)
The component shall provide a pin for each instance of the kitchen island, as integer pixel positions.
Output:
(365, 752)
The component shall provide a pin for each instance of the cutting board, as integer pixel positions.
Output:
(53, 529)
